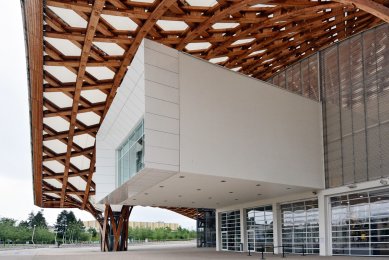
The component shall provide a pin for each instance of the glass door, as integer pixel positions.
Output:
(251, 240)
(224, 240)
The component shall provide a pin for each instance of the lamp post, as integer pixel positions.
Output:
(33, 233)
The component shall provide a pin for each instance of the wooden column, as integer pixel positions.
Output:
(114, 229)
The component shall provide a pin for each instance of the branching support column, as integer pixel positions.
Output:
(114, 229)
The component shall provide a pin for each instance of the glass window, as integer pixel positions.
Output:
(300, 227)
(131, 155)
(360, 223)
(230, 230)
(260, 228)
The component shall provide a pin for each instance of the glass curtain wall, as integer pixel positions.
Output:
(206, 228)
(260, 228)
(355, 95)
(230, 230)
(300, 227)
(131, 155)
(360, 223)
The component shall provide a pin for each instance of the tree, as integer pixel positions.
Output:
(24, 224)
(93, 232)
(37, 220)
(64, 219)
(70, 228)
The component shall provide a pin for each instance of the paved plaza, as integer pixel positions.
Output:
(171, 251)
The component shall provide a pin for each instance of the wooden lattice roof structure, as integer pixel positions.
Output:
(78, 52)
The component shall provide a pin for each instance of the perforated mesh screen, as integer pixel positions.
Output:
(354, 81)
(300, 78)
(355, 99)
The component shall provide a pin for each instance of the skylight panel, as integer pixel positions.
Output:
(120, 22)
(172, 25)
(197, 46)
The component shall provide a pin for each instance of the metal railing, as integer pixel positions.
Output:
(263, 248)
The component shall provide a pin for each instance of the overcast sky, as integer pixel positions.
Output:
(16, 195)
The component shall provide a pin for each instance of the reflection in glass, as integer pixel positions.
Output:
(360, 223)
(230, 230)
(300, 227)
(131, 155)
(260, 228)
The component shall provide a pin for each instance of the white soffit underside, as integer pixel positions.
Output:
(198, 191)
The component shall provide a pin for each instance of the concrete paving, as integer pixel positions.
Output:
(171, 251)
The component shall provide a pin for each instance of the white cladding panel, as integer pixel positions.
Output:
(162, 107)
(150, 91)
(201, 118)
(235, 126)
(126, 111)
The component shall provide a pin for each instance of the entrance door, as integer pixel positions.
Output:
(224, 240)
(251, 240)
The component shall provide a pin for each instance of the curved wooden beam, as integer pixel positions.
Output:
(129, 54)
(33, 24)
(219, 15)
(92, 26)
(370, 6)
